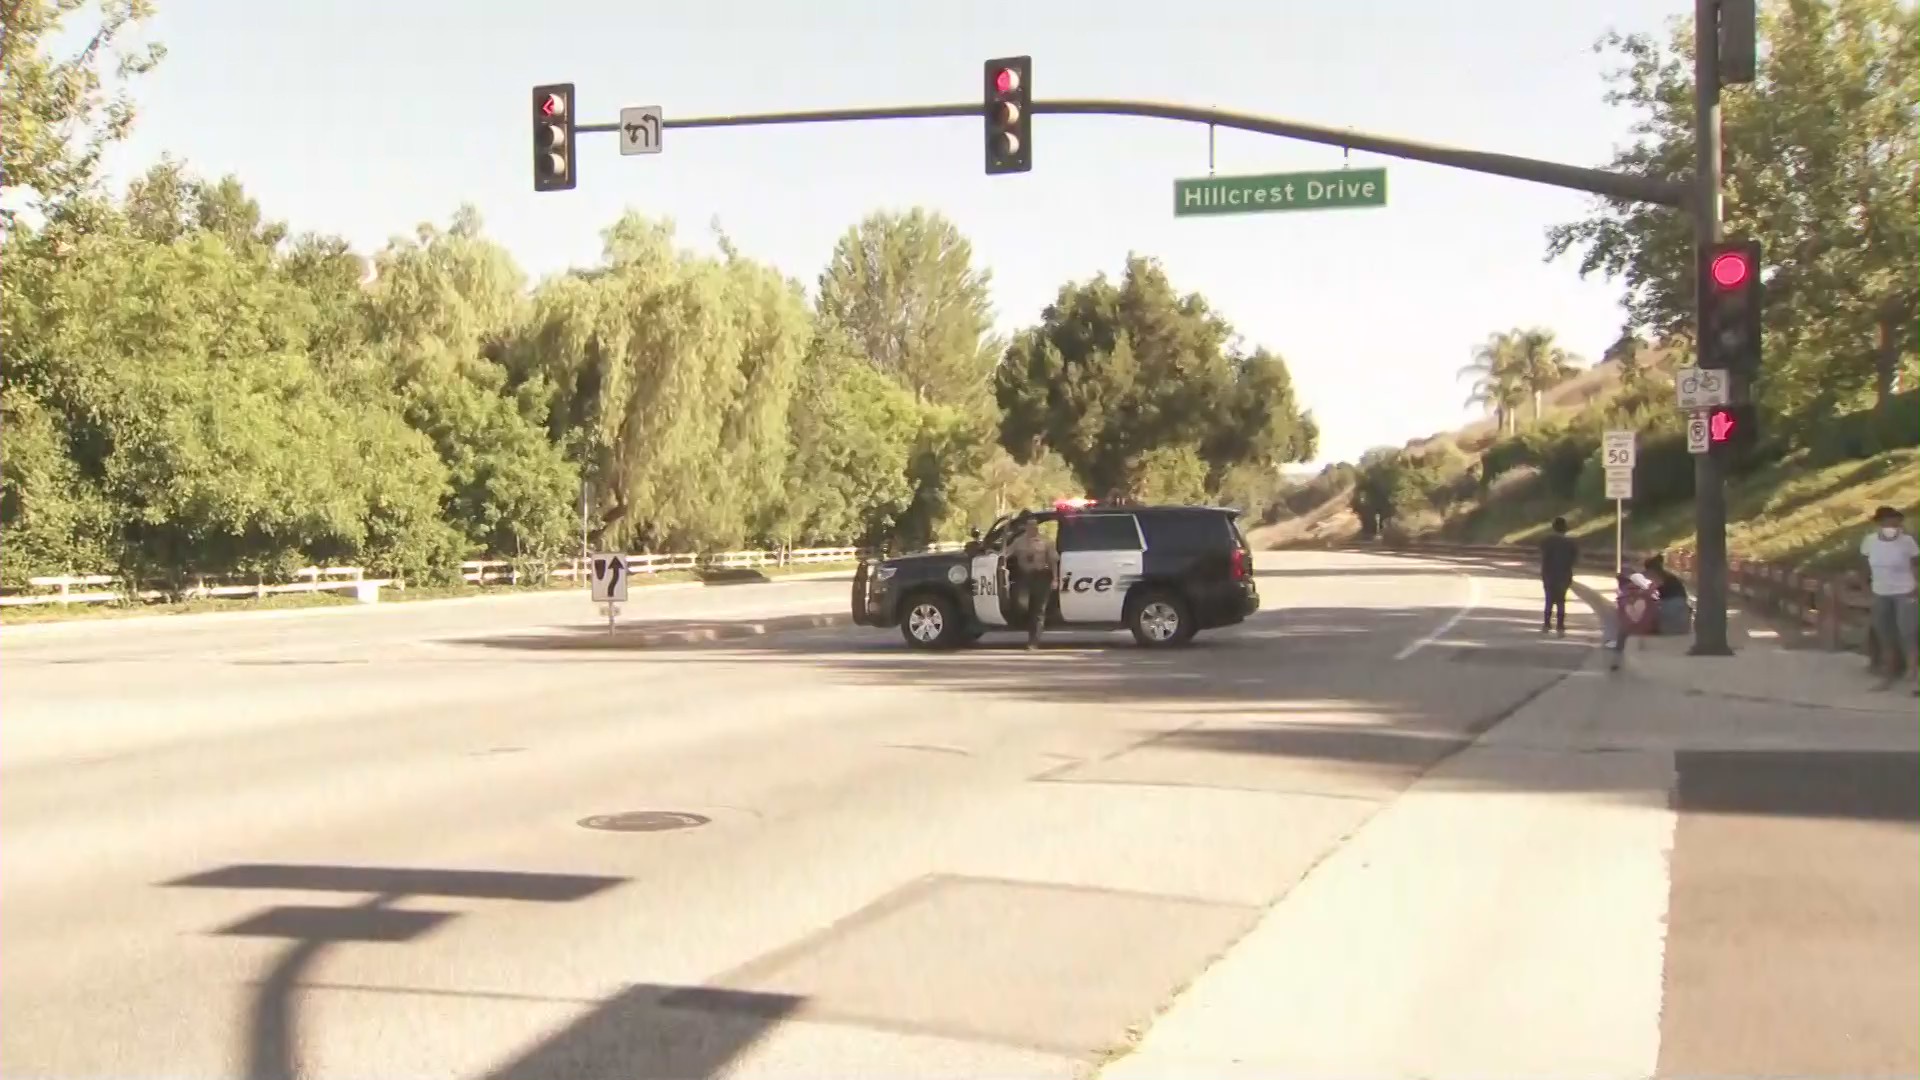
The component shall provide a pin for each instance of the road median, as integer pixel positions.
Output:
(665, 633)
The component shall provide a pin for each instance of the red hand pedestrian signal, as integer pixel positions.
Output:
(1720, 426)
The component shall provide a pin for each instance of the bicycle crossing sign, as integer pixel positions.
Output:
(607, 578)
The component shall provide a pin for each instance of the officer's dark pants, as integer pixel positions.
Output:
(1038, 586)
(1556, 613)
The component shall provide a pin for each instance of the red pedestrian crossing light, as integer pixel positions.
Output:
(1731, 428)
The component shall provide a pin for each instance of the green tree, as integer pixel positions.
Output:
(1499, 378)
(441, 305)
(60, 111)
(1167, 474)
(177, 374)
(669, 377)
(1116, 370)
(853, 433)
(1820, 166)
(1542, 364)
(904, 290)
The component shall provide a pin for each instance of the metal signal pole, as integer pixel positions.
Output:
(1709, 474)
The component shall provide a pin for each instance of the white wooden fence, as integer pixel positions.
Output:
(86, 588)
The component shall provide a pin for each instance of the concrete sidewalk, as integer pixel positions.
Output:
(1762, 669)
(1509, 914)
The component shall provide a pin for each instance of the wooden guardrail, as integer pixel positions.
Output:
(103, 588)
(1834, 610)
(308, 579)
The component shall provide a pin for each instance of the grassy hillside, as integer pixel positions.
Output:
(1808, 507)
(1788, 512)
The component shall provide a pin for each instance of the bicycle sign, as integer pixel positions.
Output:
(1701, 388)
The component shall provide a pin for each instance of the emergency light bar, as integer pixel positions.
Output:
(1073, 504)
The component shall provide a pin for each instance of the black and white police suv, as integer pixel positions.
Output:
(1163, 572)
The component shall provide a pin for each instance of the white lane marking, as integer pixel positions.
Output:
(1473, 601)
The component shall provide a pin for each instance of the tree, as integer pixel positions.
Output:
(1820, 167)
(668, 377)
(1499, 378)
(200, 437)
(1115, 371)
(58, 113)
(903, 289)
(853, 432)
(1542, 364)
(440, 306)
(1628, 356)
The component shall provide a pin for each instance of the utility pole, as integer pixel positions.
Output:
(1709, 472)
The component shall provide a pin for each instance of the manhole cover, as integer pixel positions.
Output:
(645, 821)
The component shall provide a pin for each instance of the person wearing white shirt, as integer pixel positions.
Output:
(1891, 551)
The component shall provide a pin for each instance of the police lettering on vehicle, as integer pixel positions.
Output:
(1069, 583)
(985, 586)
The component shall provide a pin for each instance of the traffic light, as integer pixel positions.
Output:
(1739, 41)
(1009, 111)
(1730, 301)
(1731, 428)
(553, 157)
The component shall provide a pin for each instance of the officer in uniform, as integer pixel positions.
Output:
(1035, 565)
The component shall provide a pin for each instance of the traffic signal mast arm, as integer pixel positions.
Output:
(1677, 194)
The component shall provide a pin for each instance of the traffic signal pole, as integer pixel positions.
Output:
(1595, 181)
(1709, 474)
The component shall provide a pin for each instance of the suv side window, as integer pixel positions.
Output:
(1099, 532)
(1188, 532)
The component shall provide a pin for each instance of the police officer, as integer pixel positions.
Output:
(1035, 563)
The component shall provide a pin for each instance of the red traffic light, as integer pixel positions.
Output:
(1720, 425)
(554, 105)
(1006, 81)
(1730, 269)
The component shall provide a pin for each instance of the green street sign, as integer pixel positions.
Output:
(1339, 189)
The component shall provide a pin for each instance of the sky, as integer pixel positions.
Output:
(364, 119)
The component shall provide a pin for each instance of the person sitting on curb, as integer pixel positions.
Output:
(1890, 551)
(1675, 614)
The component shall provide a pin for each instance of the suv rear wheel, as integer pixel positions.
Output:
(1161, 619)
(929, 620)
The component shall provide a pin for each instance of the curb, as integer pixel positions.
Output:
(732, 631)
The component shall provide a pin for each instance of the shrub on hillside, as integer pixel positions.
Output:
(1515, 484)
(1867, 432)
(1412, 526)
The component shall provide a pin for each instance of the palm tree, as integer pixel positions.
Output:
(1498, 382)
(1541, 363)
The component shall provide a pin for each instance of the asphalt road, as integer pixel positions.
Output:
(351, 844)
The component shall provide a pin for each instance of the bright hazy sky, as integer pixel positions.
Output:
(366, 117)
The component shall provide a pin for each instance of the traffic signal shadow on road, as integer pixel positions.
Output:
(690, 1031)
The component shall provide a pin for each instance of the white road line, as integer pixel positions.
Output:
(1473, 601)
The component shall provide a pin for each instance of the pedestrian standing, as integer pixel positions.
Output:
(1558, 555)
(1036, 563)
(1890, 551)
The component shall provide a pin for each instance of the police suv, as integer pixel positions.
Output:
(1163, 572)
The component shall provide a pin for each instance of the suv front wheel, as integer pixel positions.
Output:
(929, 620)
(1161, 619)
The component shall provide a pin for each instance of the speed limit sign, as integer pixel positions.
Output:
(1617, 450)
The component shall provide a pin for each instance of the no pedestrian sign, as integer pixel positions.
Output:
(1339, 189)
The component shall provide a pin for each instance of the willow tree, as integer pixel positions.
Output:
(669, 377)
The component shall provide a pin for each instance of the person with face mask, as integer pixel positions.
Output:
(1890, 551)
